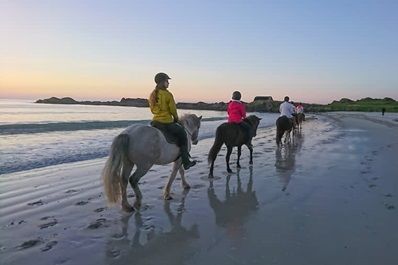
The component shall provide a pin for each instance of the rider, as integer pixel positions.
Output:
(299, 108)
(163, 108)
(237, 112)
(287, 109)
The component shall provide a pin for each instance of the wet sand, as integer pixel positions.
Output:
(330, 197)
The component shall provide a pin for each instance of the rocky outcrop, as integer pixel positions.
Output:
(54, 100)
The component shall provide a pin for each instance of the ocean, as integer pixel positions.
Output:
(39, 135)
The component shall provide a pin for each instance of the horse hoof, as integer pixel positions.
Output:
(186, 187)
(167, 197)
(229, 171)
(211, 176)
(238, 166)
(251, 163)
(128, 208)
(137, 206)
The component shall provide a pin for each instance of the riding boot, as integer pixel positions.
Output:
(186, 163)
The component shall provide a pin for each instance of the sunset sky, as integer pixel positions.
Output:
(313, 51)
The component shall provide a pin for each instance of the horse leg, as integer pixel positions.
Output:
(229, 151)
(211, 169)
(166, 192)
(134, 179)
(239, 153)
(126, 171)
(184, 182)
(251, 154)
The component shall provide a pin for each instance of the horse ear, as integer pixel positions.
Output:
(200, 117)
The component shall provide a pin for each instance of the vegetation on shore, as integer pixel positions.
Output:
(345, 104)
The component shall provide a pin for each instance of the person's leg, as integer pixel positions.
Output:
(181, 135)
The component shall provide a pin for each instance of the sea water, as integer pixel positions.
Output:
(36, 135)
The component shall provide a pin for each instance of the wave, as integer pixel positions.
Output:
(29, 128)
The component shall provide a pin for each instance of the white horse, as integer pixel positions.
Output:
(144, 146)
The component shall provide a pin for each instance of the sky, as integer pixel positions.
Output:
(313, 51)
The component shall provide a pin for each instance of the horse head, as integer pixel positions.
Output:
(191, 123)
(254, 121)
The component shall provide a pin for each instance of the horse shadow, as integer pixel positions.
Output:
(238, 205)
(285, 159)
(148, 246)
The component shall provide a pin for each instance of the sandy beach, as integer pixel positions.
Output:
(329, 197)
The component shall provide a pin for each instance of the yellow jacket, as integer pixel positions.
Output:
(164, 110)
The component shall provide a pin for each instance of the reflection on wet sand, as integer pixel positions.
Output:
(285, 159)
(147, 246)
(237, 206)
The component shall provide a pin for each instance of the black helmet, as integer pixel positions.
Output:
(161, 77)
(236, 95)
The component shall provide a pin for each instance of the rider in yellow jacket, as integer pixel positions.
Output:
(165, 118)
(164, 110)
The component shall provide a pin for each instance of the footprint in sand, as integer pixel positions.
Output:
(99, 210)
(71, 191)
(198, 186)
(30, 244)
(46, 217)
(49, 246)
(36, 203)
(80, 203)
(97, 224)
(372, 185)
(389, 206)
(49, 224)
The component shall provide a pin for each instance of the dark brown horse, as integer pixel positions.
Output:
(232, 134)
(283, 125)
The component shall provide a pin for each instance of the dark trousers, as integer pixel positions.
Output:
(176, 130)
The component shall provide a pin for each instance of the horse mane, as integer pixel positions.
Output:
(250, 119)
(185, 116)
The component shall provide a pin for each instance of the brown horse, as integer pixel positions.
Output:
(299, 118)
(283, 125)
(232, 134)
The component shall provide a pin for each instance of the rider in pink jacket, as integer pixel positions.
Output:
(237, 112)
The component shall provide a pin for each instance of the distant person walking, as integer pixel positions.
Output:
(382, 111)
(237, 112)
(165, 118)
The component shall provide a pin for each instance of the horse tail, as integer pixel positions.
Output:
(111, 174)
(218, 142)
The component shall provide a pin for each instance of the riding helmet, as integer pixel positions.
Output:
(161, 77)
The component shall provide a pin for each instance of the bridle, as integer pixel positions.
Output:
(189, 133)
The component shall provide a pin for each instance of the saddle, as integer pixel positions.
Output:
(170, 138)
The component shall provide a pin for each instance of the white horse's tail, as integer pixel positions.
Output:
(111, 174)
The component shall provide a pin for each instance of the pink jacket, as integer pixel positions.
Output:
(236, 111)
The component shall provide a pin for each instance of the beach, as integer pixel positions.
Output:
(328, 197)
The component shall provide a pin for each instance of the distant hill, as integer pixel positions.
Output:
(259, 104)
(364, 104)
